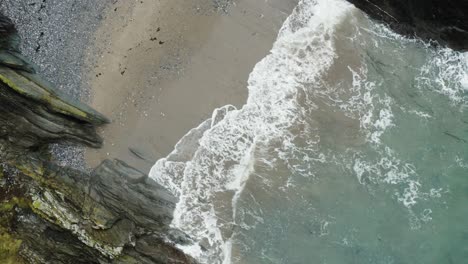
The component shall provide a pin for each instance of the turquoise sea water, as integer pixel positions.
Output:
(352, 148)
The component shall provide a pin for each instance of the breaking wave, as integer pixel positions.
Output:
(330, 100)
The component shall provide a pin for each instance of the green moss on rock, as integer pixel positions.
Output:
(9, 248)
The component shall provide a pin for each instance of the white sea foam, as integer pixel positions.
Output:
(446, 72)
(363, 105)
(211, 165)
(443, 71)
(209, 180)
(386, 169)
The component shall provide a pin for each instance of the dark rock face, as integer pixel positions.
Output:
(55, 36)
(444, 21)
(128, 193)
(9, 39)
(114, 215)
(31, 122)
(33, 112)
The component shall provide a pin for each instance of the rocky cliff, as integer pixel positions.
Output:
(54, 214)
(443, 21)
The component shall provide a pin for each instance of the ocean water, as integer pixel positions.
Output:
(351, 148)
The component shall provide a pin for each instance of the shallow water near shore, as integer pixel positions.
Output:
(352, 148)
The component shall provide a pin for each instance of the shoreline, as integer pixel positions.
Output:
(166, 65)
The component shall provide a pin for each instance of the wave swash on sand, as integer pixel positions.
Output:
(347, 125)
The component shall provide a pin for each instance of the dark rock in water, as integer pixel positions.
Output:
(443, 21)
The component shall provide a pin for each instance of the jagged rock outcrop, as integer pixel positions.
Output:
(33, 112)
(443, 21)
(60, 215)
(55, 214)
(114, 215)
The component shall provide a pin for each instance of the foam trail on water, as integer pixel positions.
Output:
(210, 166)
(444, 70)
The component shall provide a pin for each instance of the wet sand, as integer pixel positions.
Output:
(166, 65)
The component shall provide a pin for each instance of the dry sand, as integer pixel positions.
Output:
(167, 64)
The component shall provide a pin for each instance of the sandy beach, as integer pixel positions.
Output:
(166, 65)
